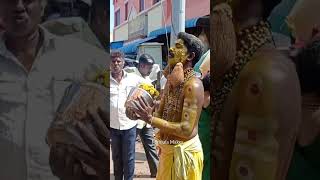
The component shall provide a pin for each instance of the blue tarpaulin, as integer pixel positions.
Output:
(133, 46)
(188, 24)
(116, 44)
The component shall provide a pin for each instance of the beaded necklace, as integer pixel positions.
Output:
(172, 99)
(250, 40)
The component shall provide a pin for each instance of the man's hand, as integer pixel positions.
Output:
(97, 142)
(64, 165)
(156, 104)
(131, 114)
(65, 160)
(144, 110)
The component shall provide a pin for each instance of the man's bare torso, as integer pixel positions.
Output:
(176, 115)
(265, 94)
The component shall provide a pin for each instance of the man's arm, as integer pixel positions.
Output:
(193, 100)
(269, 109)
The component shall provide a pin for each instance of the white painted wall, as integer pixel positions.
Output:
(121, 33)
(155, 18)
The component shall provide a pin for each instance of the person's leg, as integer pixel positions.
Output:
(149, 146)
(128, 152)
(138, 132)
(116, 147)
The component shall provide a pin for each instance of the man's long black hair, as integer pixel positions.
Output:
(193, 44)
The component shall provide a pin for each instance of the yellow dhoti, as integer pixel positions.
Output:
(183, 161)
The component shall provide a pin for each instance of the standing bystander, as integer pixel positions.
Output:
(123, 130)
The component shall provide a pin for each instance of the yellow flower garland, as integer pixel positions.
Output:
(150, 89)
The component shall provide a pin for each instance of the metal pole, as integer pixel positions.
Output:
(178, 19)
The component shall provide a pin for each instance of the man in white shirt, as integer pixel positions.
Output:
(123, 130)
(35, 69)
(144, 130)
(154, 72)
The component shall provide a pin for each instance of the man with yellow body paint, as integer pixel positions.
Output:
(181, 156)
(255, 95)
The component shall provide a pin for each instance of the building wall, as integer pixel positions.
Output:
(131, 4)
(119, 4)
(155, 18)
(121, 33)
(147, 5)
(194, 8)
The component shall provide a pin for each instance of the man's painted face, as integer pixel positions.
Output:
(117, 64)
(21, 17)
(178, 53)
